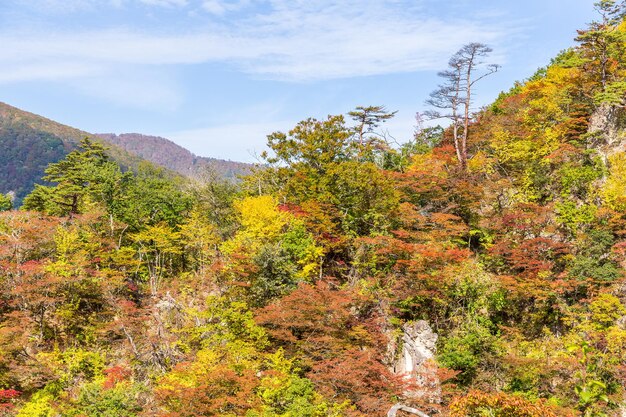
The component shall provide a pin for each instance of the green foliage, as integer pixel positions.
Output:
(613, 94)
(591, 262)
(25, 154)
(576, 179)
(96, 401)
(284, 394)
(568, 58)
(466, 349)
(84, 177)
(424, 140)
(6, 202)
(575, 217)
(276, 274)
(591, 391)
(319, 161)
(213, 197)
(151, 197)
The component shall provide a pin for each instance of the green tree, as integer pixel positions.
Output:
(603, 43)
(85, 176)
(153, 196)
(367, 119)
(318, 161)
(6, 202)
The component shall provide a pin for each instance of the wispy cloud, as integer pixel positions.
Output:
(288, 40)
(222, 7)
(165, 3)
(295, 40)
(138, 89)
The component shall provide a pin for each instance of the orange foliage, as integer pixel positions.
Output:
(477, 404)
(340, 343)
(222, 391)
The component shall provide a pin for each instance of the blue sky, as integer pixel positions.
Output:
(217, 76)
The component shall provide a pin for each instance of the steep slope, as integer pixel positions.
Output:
(166, 153)
(499, 284)
(28, 143)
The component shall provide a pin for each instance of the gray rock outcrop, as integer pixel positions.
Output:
(415, 360)
(607, 130)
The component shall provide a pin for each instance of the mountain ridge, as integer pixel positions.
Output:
(29, 142)
(165, 152)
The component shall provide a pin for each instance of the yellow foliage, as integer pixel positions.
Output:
(614, 190)
(201, 239)
(260, 216)
(198, 232)
(261, 222)
(482, 163)
(39, 405)
(550, 97)
(427, 162)
(616, 343)
(605, 310)
(160, 237)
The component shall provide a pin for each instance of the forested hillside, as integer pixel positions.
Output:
(166, 153)
(28, 143)
(477, 270)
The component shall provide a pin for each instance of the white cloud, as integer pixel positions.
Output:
(290, 43)
(164, 3)
(221, 7)
(289, 40)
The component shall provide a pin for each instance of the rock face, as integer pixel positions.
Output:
(607, 130)
(418, 346)
(416, 360)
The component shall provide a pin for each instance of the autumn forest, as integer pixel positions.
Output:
(476, 270)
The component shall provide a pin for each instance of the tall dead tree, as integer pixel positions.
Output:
(453, 99)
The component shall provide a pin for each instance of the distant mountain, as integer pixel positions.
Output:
(29, 142)
(166, 153)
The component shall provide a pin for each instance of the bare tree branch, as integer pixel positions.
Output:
(455, 94)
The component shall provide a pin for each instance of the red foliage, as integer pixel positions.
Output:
(115, 375)
(338, 340)
(359, 376)
(7, 399)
